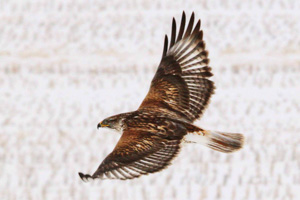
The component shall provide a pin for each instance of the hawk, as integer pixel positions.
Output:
(179, 92)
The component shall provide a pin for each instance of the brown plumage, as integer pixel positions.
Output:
(178, 95)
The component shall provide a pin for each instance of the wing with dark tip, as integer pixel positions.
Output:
(181, 85)
(137, 153)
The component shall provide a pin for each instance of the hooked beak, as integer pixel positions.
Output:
(101, 125)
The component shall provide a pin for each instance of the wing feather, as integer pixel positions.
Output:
(173, 34)
(181, 85)
(190, 26)
(182, 25)
(165, 46)
(137, 153)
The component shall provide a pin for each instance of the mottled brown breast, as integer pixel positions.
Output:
(157, 123)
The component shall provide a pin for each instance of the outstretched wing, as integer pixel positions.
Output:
(137, 153)
(181, 85)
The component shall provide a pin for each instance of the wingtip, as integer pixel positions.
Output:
(173, 33)
(173, 23)
(85, 177)
(198, 23)
(197, 28)
(173, 26)
(183, 15)
(193, 16)
(165, 49)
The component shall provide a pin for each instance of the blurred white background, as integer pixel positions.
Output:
(66, 65)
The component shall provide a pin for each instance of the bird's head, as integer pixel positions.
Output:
(113, 122)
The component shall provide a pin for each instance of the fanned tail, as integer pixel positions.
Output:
(219, 141)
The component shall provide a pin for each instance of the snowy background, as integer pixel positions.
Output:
(66, 65)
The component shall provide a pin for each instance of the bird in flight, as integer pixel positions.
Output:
(179, 92)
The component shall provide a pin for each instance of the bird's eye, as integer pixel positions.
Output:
(111, 120)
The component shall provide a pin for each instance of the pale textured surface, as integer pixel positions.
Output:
(65, 65)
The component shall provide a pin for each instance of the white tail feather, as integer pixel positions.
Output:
(219, 141)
